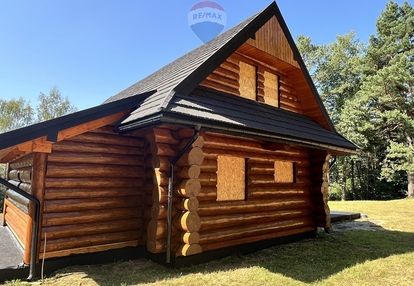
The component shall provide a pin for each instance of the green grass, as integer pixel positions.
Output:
(383, 255)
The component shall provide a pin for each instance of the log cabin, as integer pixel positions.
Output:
(227, 146)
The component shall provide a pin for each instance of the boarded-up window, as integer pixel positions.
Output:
(231, 178)
(247, 81)
(284, 172)
(271, 89)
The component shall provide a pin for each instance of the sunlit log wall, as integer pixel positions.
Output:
(270, 209)
(94, 194)
(166, 142)
(16, 215)
(226, 79)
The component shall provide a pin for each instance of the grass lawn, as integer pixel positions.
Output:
(382, 253)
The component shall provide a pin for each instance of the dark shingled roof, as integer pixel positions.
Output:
(169, 77)
(227, 110)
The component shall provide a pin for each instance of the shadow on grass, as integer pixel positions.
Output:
(306, 261)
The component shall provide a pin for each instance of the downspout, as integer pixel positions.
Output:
(35, 225)
(173, 161)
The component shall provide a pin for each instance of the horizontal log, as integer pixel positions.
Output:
(227, 73)
(258, 229)
(69, 146)
(95, 158)
(89, 249)
(207, 193)
(71, 205)
(91, 170)
(55, 232)
(220, 87)
(250, 206)
(184, 133)
(23, 162)
(54, 194)
(189, 188)
(164, 135)
(250, 239)
(25, 187)
(92, 183)
(16, 212)
(25, 176)
(53, 219)
(17, 229)
(209, 166)
(164, 150)
(109, 139)
(234, 220)
(189, 249)
(276, 155)
(188, 221)
(218, 141)
(276, 193)
(89, 240)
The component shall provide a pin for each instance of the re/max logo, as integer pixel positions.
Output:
(207, 15)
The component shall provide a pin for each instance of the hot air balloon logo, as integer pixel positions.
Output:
(207, 19)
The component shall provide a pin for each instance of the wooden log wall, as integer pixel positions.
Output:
(165, 144)
(271, 209)
(226, 79)
(320, 188)
(20, 172)
(16, 216)
(93, 194)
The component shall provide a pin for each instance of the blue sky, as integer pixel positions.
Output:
(92, 49)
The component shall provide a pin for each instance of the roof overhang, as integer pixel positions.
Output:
(40, 137)
(166, 117)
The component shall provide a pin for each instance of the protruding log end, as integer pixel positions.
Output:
(189, 249)
(191, 237)
(189, 222)
(189, 188)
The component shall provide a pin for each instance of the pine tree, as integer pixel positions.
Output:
(380, 118)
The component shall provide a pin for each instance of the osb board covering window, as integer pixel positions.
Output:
(247, 80)
(231, 178)
(271, 89)
(284, 172)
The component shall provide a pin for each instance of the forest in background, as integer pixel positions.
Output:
(367, 89)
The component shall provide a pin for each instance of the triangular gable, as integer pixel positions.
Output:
(185, 74)
(272, 56)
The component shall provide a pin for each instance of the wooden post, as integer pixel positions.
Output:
(325, 191)
(38, 190)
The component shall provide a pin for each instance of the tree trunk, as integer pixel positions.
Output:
(410, 192)
(343, 193)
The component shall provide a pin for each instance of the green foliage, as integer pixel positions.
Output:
(53, 105)
(14, 114)
(368, 92)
